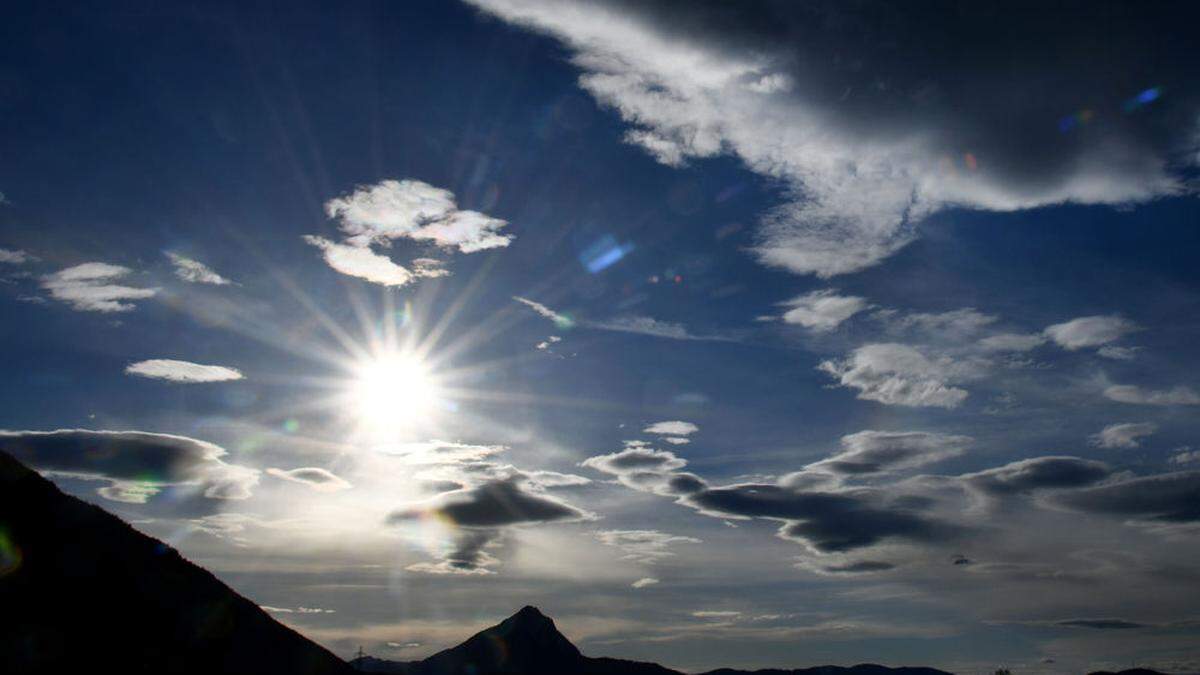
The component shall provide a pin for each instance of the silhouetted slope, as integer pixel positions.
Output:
(860, 669)
(527, 643)
(1131, 671)
(81, 591)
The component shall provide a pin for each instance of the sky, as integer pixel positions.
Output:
(753, 335)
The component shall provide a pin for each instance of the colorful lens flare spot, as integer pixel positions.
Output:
(1143, 99)
(604, 253)
(10, 554)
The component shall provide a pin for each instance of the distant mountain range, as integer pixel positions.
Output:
(528, 643)
(82, 591)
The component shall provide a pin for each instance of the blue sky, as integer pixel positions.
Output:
(930, 322)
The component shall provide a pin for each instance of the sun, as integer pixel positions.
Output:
(393, 392)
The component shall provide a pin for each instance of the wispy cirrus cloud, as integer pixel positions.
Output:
(93, 287)
(638, 325)
(195, 271)
(1127, 435)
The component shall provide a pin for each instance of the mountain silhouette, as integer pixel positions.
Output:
(528, 643)
(82, 591)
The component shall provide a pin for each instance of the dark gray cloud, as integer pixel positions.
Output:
(1170, 498)
(826, 521)
(466, 554)
(1100, 624)
(859, 567)
(493, 504)
(877, 115)
(137, 464)
(1039, 473)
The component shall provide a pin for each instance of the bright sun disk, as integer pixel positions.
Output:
(393, 391)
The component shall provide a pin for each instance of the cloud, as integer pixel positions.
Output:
(90, 287)
(411, 209)
(676, 440)
(644, 325)
(643, 546)
(362, 262)
(1099, 624)
(1123, 435)
(897, 374)
(182, 371)
(493, 504)
(858, 567)
(1165, 498)
(1118, 353)
(15, 257)
(1131, 393)
(954, 325)
(672, 428)
(196, 272)
(321, 480)
(441, 452)
(465, 555)
(828, 522)
(638, 325)
(136, 464)
(1089, 331)
(890, 131)
(716, 614)
(1011, 342)
(377, 215)
(1184, 456)
(1038, 473)
(644, 582)
(298, 610)
(822, 310)
(874, 452)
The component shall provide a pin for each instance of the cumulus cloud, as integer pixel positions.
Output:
(1131, 393)
(195, 271)
(672, 428)
(378, 215)
(321, 480)
(92, 287)
(182, 371)
(841, 104)
(643, 546)
(16, 257)
(411, 209)
(136, 464)
(898, 374)
(1089, 331)
(1126, 435)
(822, 310)
(644, 582)
(874, 452)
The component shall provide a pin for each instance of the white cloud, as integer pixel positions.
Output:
(859, 188)
(16, 257)
(643, 546)
(411, 209)
(644, 325)
(1118, 353)
(321, 480)
(644, 582)
(823, 310)
(1131, 393)
(377, 215)
(676, 440)
(1089, 331)
(897, 374)
(672, 428)
(1185, 456)
(182, 371)
(89, 288)
(1123, 435)
(956, 324)
(716, 614)
(559, 319)
(195, 271)
(361, 262)
(1011, 342)
(874, 452)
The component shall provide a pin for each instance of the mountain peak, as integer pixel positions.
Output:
(529, 614)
